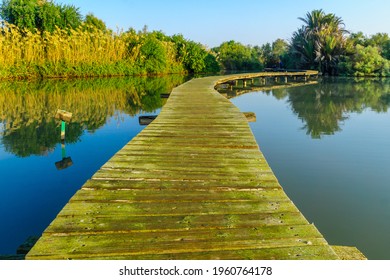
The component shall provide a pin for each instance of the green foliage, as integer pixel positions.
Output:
(22, 13)
(40, 15)
(235, 56)
(380, 40)
(319, 43)
(153, 56)
(195, 60)
(40, 38)
(70, 17)
(92, 50)
(275, 55)
(194, 56)
(211, 64)
(367, 56)
(366, 61)
(47, 17)
(386, 50)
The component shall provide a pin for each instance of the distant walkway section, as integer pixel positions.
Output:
(192, 185)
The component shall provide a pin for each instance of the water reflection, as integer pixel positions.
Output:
(105, 117)
(28, 109)
(324, 106)
(340, 182)
(66, 161)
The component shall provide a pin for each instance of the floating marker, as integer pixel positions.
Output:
(65, 117)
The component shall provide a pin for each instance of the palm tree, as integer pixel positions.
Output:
(319, 42)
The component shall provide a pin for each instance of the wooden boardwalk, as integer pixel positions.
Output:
(192, 185)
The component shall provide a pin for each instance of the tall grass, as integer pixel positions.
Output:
(85, 51)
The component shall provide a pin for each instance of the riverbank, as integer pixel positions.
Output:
(90, 52)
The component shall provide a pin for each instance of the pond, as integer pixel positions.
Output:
(329, 146)
(37, 175)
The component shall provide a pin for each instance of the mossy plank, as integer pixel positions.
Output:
(176, 208)
(189, 152)
(180, 185)
(194, 160)
(348, 253)
(199, 167)
(137, 244)
(79, 223)
(175, 195)
(322, 252)
(174, 175)
(297, 233)
(191, 185)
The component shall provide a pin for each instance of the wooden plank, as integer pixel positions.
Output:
(172, 242)
(191, 185)
(80, 223)
(287, 253)
(176, 208)
(174, 195)
(348, 253)
(180, 185)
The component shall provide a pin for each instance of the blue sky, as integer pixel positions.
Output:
(253, 22)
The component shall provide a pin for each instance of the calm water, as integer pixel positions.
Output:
(105, 118)
(329, 146)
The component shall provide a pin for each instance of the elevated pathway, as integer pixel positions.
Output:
(191, 185)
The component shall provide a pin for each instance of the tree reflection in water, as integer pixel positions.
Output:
(323, 106)
(28, 108)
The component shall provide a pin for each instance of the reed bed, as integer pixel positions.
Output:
(85, 51)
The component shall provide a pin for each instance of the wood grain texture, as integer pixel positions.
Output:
(191, 185)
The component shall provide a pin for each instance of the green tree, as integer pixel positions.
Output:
(235, 56)
(386, 50)
(211, 64)
(195, 60)
(302, 50)
(40, 14)
(153, 56)
(366, 61)
(274, 55)
(320, 42)
(47, 16)
(382, 42)
(94, 22)
(19, 12)
(266, 55)
(70, 16)
(194, 56)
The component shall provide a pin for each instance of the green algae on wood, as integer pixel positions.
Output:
(191, 185)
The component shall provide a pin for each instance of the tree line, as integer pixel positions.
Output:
(39, 38)
(322, 43)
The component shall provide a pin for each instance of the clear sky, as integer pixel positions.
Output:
(253, 22)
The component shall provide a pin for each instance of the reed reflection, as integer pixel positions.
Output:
(28, 108)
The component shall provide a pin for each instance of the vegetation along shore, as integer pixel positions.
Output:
(55, 40)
